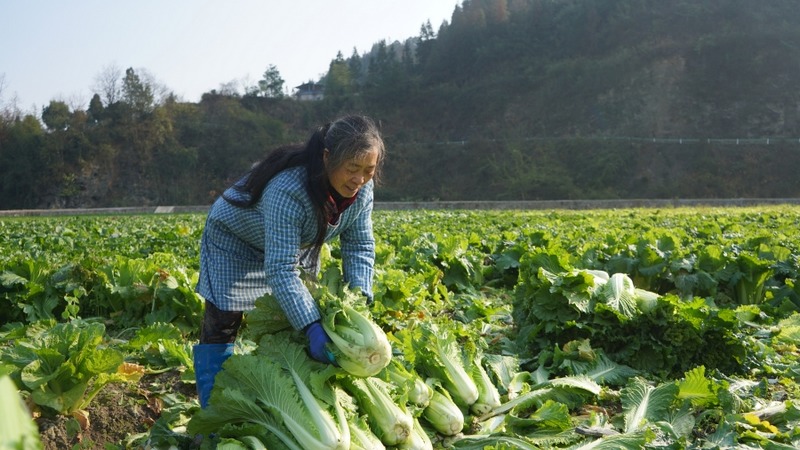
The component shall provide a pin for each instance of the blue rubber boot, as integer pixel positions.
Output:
(208, 359)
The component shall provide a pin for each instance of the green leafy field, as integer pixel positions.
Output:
(635, 328)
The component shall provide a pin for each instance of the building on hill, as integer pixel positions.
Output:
(309, 91)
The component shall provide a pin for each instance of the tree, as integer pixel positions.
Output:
(380, 60)
(25, 173)
(355, 65)
(108, 83)
(339, 79)
(96, 109)
(426, 41)
(56, 116)
(9, 112)
(230, 88)
(496, 10)
(426, 31)
(407, 57)
(137, 94)
(160, 91)
(272, 83)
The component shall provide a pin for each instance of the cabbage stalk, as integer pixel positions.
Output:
(361, 347)
(391, 422)
(488, 394)
(327, 433)
(443, 414)
(439, 356)
(419, 439)
(619, 294)
(362, 437)
(419, 393)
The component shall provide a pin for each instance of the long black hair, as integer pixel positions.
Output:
(346, 138)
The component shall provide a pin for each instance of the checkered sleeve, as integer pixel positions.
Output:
(285, 213)
(358, 249)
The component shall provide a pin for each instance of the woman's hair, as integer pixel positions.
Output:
(346, 138)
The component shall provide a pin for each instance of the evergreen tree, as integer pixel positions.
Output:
(96, 109)
(137, 94)
(56, 116)
(338, 81)
(272, 84)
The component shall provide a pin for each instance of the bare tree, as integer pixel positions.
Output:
(160, 90)
(247, 85)
(230, 88)
(77, 102)
(108, 83)
(4, 113)
(9, 109)
(2, 87)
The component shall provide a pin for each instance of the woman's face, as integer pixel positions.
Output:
(348, 178)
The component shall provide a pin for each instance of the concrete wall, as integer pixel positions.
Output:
(585, 204)
(461, 205)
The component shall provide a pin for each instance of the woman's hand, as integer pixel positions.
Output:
(318, 342)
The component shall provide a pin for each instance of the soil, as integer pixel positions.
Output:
(118, 412)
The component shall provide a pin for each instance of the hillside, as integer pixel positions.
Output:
(592, 99)
(509, 100)
(719, 68)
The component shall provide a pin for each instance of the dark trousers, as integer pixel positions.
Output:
(219, 327)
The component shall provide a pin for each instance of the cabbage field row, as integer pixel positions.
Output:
(606, 329)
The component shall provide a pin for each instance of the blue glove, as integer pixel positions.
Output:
(317, 343)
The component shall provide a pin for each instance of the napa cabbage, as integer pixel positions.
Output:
(389, 420)
(408, 380)
(281, 389)
(443, 414)
(17, 429)
(418, 440)
(488, 394)
(439, 355)
(359, 345)
(362, 437)
(65, 365)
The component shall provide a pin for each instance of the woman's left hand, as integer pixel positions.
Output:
(318, 341)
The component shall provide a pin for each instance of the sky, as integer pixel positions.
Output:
(57, 49)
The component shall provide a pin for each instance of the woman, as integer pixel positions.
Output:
(271, 225)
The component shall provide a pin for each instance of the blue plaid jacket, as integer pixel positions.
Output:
(248, 252)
